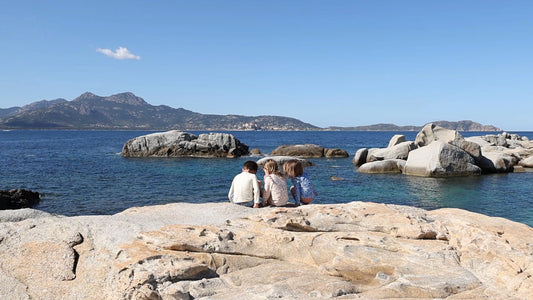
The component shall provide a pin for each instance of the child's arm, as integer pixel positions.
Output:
(266, 192)
(230, 193)
(257, 193)
(297, 191)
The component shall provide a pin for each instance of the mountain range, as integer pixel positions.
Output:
(127, 111)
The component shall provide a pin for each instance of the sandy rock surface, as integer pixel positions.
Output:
(224, 251)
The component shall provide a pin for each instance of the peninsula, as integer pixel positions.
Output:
(126, 111)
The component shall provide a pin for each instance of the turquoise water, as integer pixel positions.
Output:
(82, 172)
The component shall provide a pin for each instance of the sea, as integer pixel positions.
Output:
(81, 172)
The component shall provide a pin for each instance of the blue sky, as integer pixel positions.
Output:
(328, 63)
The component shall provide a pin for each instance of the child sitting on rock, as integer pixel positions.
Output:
(275, 192)
(302, 190)
(245, 188)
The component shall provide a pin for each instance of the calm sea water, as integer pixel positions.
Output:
(82, 172)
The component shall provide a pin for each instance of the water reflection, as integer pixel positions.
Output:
(432, 193)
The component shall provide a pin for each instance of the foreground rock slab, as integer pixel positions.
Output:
(224, 251)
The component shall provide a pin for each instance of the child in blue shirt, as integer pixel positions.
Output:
(302, 189)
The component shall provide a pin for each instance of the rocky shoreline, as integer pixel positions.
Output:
(337, 251)
(440, 152)
(224, 251)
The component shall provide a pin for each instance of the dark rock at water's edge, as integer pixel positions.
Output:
(176, 143)
(281, 160)
(18, 198)
(308, 150)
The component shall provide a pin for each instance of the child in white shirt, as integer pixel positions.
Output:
(245, 188)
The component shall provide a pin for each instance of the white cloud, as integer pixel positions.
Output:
(120, 53)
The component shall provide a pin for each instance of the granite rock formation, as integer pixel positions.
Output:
(176, 143)
(440, 152)
(309, 151)
(224, 251)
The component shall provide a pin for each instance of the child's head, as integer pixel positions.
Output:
(293, 168)
(249, 166)
(271, 166)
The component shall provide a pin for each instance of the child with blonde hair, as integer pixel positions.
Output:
(275, 192)
(302, 189)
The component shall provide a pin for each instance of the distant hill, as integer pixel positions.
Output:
(127, 111)
(465, 125)
(378, 127)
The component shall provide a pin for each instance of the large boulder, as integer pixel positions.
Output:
(399, 151)
(440, 159)
(383, 166)
(496, 139)
(470, 147)
(360, 157)
(493, 153)
(396, 139)
(478, 140)
(176, 143)
(18, 198)
(497, 162)
(431, 132)
(302, 150)
(335, 153)
(527, 162)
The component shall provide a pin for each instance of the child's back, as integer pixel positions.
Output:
(302, 188)
(245, 188)
(276, 190)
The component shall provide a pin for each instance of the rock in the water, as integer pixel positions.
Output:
(527, 162)
(383, 166)
(501, 153)
(309, 151)
(305, 150)
(360, 157)
(18, 198)
(255, 151)
(182, 144)
(396, 139)
(280, 160)
(497, 162)
(398, 151)
(432, 132)
(335, 152)
(440, 159)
